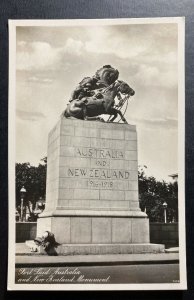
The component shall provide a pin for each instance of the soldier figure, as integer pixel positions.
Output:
(103, 78)
(107, 75)
(84, 89)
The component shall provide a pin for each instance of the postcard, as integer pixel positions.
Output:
(96, 154)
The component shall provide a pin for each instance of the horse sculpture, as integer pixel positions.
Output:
(102, 102)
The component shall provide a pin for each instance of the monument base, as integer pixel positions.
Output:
(92, 200)
(114, 233)
(101, 249)
(113, 228)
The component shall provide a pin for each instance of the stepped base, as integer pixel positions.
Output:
(100, 249)
(97, 230)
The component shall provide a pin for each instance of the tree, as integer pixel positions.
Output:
(154, 193)
(33, 179)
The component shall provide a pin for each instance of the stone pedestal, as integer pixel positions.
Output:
(92, 203)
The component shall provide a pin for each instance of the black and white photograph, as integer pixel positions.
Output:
(96, 154)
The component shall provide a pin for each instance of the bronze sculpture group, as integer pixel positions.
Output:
(95, 96)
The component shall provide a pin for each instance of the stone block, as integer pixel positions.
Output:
(63, 203)
(130, 135)
(100, 249)
(99, 143)
(112, 195)
(99, 163)
(133, 205)
(133, 176)
(86, 194)
(52, 185)
(43, 224)
(118, 164)
(74, 141)
(81, 230)
(63, 172)
(73, 183)
(75, 162)
(140, 230)
(53, 147)
(101, 230)
(108, 204)
(96, 204)
(51, 199)
(54, 133)
(120, 126)
(86, 132)
(65, 194)
(120, 185)
(65, 122)
(67, 151)
(131, 165)
(131, 155)
(53, 157)
(117, 144)
(79, 204)
(72, 121)
(133, 185)
(108, 143)
(118, 205)
(61, 230)
(67, 130)
(131, 195)
(110, 134)
(92, 124)
(131, 145)
(121, 230)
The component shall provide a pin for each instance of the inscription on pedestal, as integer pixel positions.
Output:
(102, 176)
(99, 153)
(94, 170)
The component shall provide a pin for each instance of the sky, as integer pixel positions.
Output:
(51, 61)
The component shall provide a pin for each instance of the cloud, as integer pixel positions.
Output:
(165, 123)
(168, 58)
(35, 55)
(29, 115)
(73, 46)
(156, 75)
(151, 49)
(42, 56)
(104, 41)
(40, 79)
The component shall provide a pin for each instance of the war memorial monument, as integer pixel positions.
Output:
(92, 201)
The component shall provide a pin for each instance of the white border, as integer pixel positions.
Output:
(181, 154)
